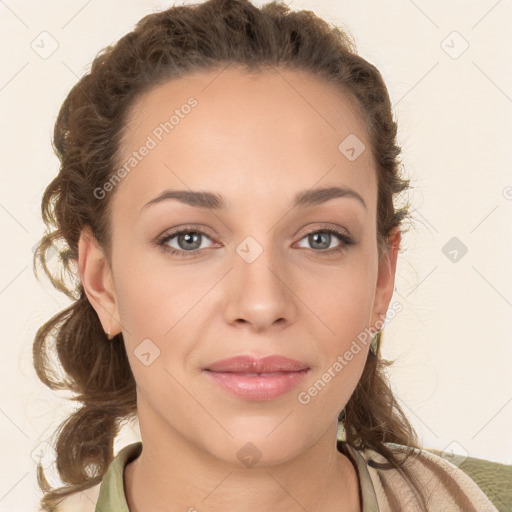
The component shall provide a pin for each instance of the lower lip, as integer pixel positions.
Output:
(257, 387)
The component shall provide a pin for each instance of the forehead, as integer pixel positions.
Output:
(248, 133)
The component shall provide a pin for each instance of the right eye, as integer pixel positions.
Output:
(186, 238)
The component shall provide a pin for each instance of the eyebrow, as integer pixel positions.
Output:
(215, 201)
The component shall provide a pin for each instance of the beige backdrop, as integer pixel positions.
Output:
(447, 65)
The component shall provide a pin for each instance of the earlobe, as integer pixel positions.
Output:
(386, 278)
(96, 278)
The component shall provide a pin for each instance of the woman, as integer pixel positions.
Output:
(251, 358)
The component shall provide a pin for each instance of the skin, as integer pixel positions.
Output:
(257, 139)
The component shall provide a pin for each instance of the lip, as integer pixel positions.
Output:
(251, 364)
(257, 379)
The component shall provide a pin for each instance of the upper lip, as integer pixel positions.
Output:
(251, 364)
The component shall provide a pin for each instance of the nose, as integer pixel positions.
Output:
(259, 293)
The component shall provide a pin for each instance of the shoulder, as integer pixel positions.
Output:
(83, 501)
(445, 487)
(108, 494)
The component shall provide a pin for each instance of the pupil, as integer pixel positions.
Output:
(326, 244)
(189, 238)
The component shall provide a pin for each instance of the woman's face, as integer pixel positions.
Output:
(268, 280)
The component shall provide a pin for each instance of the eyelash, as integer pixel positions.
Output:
(346, 240)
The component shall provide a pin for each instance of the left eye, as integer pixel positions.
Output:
(322, 239)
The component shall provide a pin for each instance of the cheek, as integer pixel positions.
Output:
(161, 310)
(343, 354)
(344, 308)
(153, 298)
(342, 296)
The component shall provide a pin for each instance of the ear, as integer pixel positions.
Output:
(97, 281)
(386, 279)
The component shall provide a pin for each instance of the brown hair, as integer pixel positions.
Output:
(87, 136)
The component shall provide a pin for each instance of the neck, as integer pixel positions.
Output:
(173, 474)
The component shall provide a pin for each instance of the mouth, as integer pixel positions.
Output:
(255, 379)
